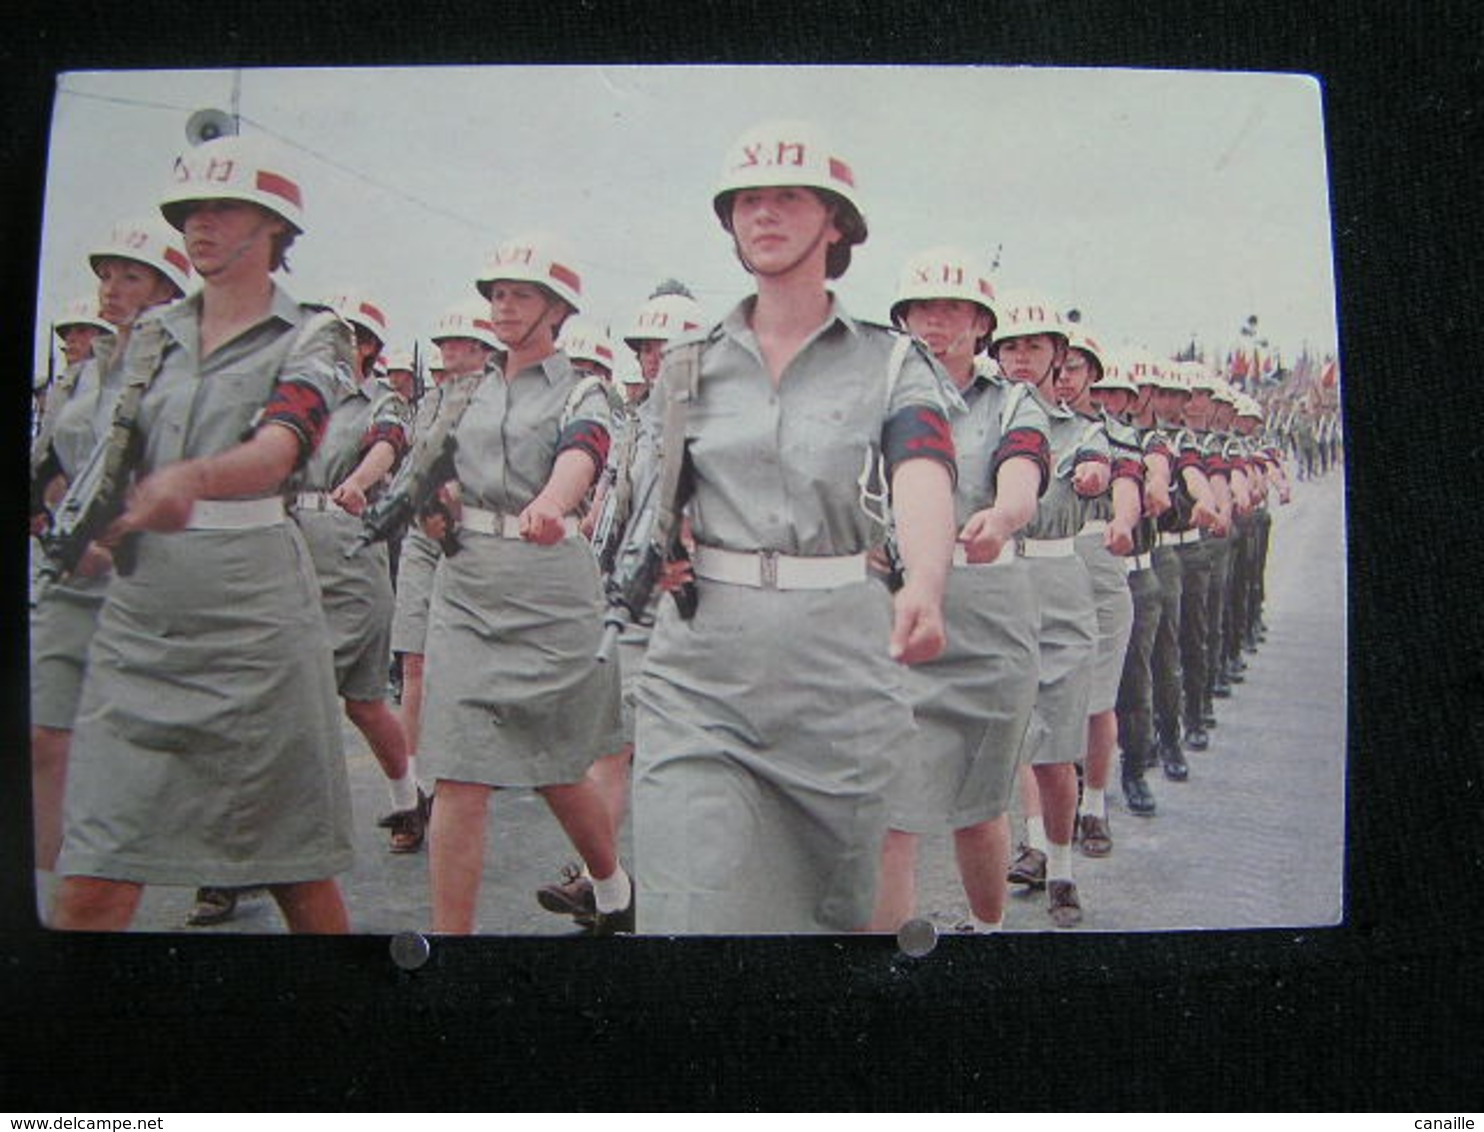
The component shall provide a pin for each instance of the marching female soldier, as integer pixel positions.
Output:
(207, 747)
(768, 724)
(1030, 345)
(141, 265)
(1200, 558)
(1126, 391)
(1193, 506)
(1224, 460)
(589, 349)
(514, 694)
(1105, 538)
(465, 343)
(365, 438)
(663, 317)
(973, 703)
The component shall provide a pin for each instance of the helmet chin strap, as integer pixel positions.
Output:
(241, 249)
(966, 337)
(539, 320)
(802, 256)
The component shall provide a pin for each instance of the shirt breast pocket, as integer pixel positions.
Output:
(227, 408)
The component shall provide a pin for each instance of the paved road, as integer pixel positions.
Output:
(1254, 839)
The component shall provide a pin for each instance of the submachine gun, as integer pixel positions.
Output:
(618, 500)
(652, 536)
(96, 497)
(427, 467)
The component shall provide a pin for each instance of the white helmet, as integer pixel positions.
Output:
(943, 273)
(358, 310)
(1224, 393)
(399, 359)
(150, 241)
(1080, 338)
(1116, 374)
(1024, 313)
(466, 320)
(535, 257)
(662, 318)
(771, 154)
(584, 340)
(1248, 407)
(633, 377)
(1198, 377)
(235, 168)
(81, 311)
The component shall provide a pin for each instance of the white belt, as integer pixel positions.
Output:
(316, 501)
(235, 514)
(1048, 548)
(961, 556)
(1178, 538)
(1137, 562)
(769, 570)
(484, 522)
(1094, 527)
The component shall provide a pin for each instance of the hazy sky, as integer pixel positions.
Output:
(1160, 203)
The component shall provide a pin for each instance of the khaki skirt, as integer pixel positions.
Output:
(207, 748)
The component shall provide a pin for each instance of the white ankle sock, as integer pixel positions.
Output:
(982, 927)
(412, 770)
(1095, 801)
(1035, 833)
(403, 791)
(1058, 861)
(613, 893)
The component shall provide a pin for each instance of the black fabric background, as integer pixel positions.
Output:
(1386, 1012)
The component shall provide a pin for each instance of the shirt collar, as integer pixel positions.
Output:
(737, 322)
(553, 367)
(182, 318)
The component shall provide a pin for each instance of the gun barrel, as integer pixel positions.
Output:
(612, 626)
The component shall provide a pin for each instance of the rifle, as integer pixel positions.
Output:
(614, 515)
(653, 536)
(417, 374)
(45, 466)
(96, 497)
(650, 541)
(428, 466)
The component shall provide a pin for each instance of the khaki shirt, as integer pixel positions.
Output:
(779, 468)
(994, 407)
(1074, 438)
(372, 403)
(203, 406)
(506, 442)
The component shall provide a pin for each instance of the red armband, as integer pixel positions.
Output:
(918, 430)
(1028, 442)
(302, 408)
(588, 437)
(1128, 468)
(392, 433)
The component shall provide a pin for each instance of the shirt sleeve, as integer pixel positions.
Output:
(309, 384)
(1093, 445)
(1125, 450)
(587, 429)
(1213, 457)
(1024, 431)
(1188, 452)
(916, 425)
(391, 421)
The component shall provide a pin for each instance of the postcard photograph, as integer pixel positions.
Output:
(687, 500)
